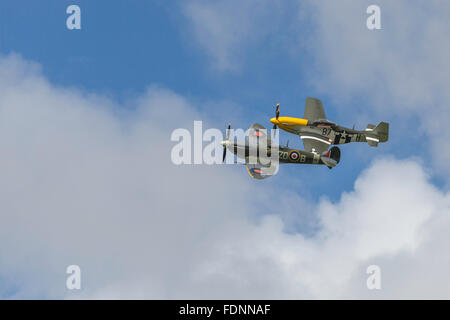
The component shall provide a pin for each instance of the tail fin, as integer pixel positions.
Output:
(375, 134)
(382, 130)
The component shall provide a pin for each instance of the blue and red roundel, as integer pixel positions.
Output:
(256, 170)
(258, 133)
(294, 155)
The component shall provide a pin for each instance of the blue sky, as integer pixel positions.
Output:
(71, 167)
(124, 46)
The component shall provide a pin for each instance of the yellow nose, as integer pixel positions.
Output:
(289, 121)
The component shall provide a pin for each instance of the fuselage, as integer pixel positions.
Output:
(285, 154)
(321, 130)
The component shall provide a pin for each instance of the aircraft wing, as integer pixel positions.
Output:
(314, 110)
(257, 171)
(259, 132)
(258, 135)
(315, 143)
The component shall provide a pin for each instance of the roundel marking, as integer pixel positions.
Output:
(294, 155)
(255, 170)
(258, 133)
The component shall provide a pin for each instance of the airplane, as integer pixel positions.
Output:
(316, 132)
(258, 138)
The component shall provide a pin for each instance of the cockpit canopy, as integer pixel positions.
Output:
(324, 123)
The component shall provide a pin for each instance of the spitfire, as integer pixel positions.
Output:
(316, 132)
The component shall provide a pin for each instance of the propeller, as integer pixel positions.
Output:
(224, 145)
(277, 114)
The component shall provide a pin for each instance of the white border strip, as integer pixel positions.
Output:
(315, 138)
(372, 139)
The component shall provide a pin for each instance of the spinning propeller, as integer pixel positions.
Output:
(224, 143)
(277, 114)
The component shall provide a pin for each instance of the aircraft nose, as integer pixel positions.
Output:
(225, 143)
(274, 120)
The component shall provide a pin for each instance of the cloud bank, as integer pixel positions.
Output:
(401, 68)
(88, 181)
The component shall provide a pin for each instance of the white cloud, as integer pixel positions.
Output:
(387, 216)
(400, 70)
(81, 185)
(226, 29)
(405, 60)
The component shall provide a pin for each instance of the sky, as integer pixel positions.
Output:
(85, 123)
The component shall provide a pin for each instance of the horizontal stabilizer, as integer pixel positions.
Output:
(372, 143)
(331, 157)
(376, 134)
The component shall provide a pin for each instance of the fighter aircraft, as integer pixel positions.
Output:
(317, 134)
(258, 146)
